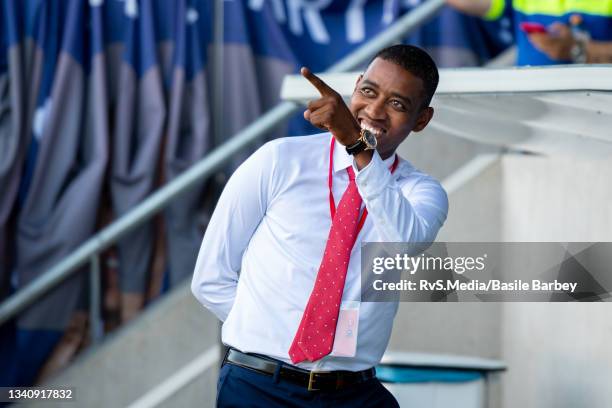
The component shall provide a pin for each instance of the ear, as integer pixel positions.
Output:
(423, 119)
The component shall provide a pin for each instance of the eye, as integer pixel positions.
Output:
(397, 105)
(365, 91)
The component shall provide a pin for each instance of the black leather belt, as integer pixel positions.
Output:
(312, 380)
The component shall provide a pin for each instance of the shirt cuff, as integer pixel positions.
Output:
(373, 178)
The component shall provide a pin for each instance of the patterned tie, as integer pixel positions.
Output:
(315, 335)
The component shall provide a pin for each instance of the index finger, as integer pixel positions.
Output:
(318, 83)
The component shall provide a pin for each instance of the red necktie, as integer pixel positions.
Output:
(315, 335)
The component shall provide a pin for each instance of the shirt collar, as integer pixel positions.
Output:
(342, 159)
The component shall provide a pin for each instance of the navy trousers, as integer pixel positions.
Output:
(243, 387)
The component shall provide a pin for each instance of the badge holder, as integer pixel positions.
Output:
(345, 340)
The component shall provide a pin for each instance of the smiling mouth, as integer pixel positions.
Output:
(377, 131)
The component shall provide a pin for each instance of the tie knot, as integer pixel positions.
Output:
(351, 173)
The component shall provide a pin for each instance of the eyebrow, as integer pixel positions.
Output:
(397, 95)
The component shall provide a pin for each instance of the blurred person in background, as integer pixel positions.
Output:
(552, 31)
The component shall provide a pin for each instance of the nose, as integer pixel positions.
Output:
(376, 109)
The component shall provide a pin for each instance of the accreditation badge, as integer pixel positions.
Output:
(345, 341)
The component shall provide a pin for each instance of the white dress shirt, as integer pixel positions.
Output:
(261, 252)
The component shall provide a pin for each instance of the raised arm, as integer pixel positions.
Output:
(599, 52)
(559, 43)
(411, 212)
(401, 212)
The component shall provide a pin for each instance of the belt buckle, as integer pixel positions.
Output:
(311, 381)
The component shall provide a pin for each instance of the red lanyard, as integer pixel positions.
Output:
(332, 203)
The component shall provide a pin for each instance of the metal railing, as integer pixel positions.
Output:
(157, 201)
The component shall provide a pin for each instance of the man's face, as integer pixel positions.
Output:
(388, 100)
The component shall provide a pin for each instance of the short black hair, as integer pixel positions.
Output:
(417, 62)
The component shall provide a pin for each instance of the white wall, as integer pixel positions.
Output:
(559, 354)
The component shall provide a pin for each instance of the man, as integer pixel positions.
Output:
(570, 31)
(284, 278)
